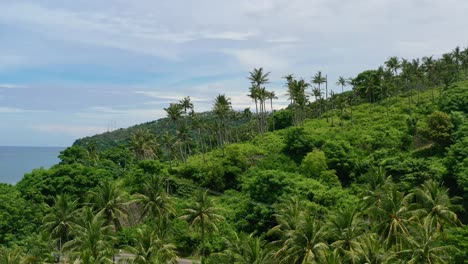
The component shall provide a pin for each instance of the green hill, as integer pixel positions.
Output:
(376, 175)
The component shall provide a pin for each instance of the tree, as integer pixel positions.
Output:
(248, 249)
(439, 128)
(346, 227)
(271, 95)
(149, 248)
(221, 108)
(342, 82)
(174, 112)
(319, 80)
(60, 219)
(393, 64)
(144, 144)
(390, 209)
(435, 201)
(305, 244)
(202, 213)
(258, 78)
(155, 201)
(425, 247)
(109, 200)
(92, 241)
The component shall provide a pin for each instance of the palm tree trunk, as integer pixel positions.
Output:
(272, 117)
(326, 94)
(203, 240)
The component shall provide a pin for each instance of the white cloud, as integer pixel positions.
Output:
(16, 110)
(10, 86)
(71, 130)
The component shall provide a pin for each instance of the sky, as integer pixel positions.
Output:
(70, 69)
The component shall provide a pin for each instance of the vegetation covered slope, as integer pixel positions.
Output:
(375, 175)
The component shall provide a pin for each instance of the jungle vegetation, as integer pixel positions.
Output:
(374, 171)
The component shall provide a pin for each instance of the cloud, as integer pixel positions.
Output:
(11, 86)
(71, 130)
(16, 110)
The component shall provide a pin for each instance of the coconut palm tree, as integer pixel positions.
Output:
(426, 247)
(319, 80)
(221, 108)
(436, 204)
(203, 214)
(345, 228)
(372, 251)
(174, 112)
(248, 249)
(258, 78)
(58, 223)
(296, 91)
(92, 240)
(342, 82)
(393, 64)
(305, 244)
(318, 100)
(391, 210)
(13, 255)
(143, 144)
(155, 201)
(109, 200)
(149, 248)
(271, 95)
(254, 94)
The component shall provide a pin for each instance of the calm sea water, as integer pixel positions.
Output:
(16, 161)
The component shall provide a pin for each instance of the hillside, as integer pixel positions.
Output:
(376, 175)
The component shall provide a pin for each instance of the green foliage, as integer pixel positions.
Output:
(340, 157)
(283, 118)
(455, 98)
(75, 179)
(18, 217)
(297, 143)
(314, 164)
(439, 128)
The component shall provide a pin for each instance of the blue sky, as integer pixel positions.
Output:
(70, 68)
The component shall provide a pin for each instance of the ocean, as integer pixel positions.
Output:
(16, 161)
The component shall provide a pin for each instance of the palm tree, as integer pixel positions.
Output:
(202, 213)
(258, 78)
(248, 249)
(60, 219)
(149, 248)
(297, 94)
(319, 79)
(305, 244)
(429, 67)
(342, 82)
(168, 142)
(346, 227)
(11, 256)
(391, 210)
(393, 64)
(174, 112)
(221, 108)
(271, 95)
(372, 250)
(186, 104)
(318, 100)
(144, 144)
(109, 200)
(155, 201)
(92, 242)
(425, 247)
(435, 201)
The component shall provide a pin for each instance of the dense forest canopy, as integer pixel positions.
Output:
(377, 174)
